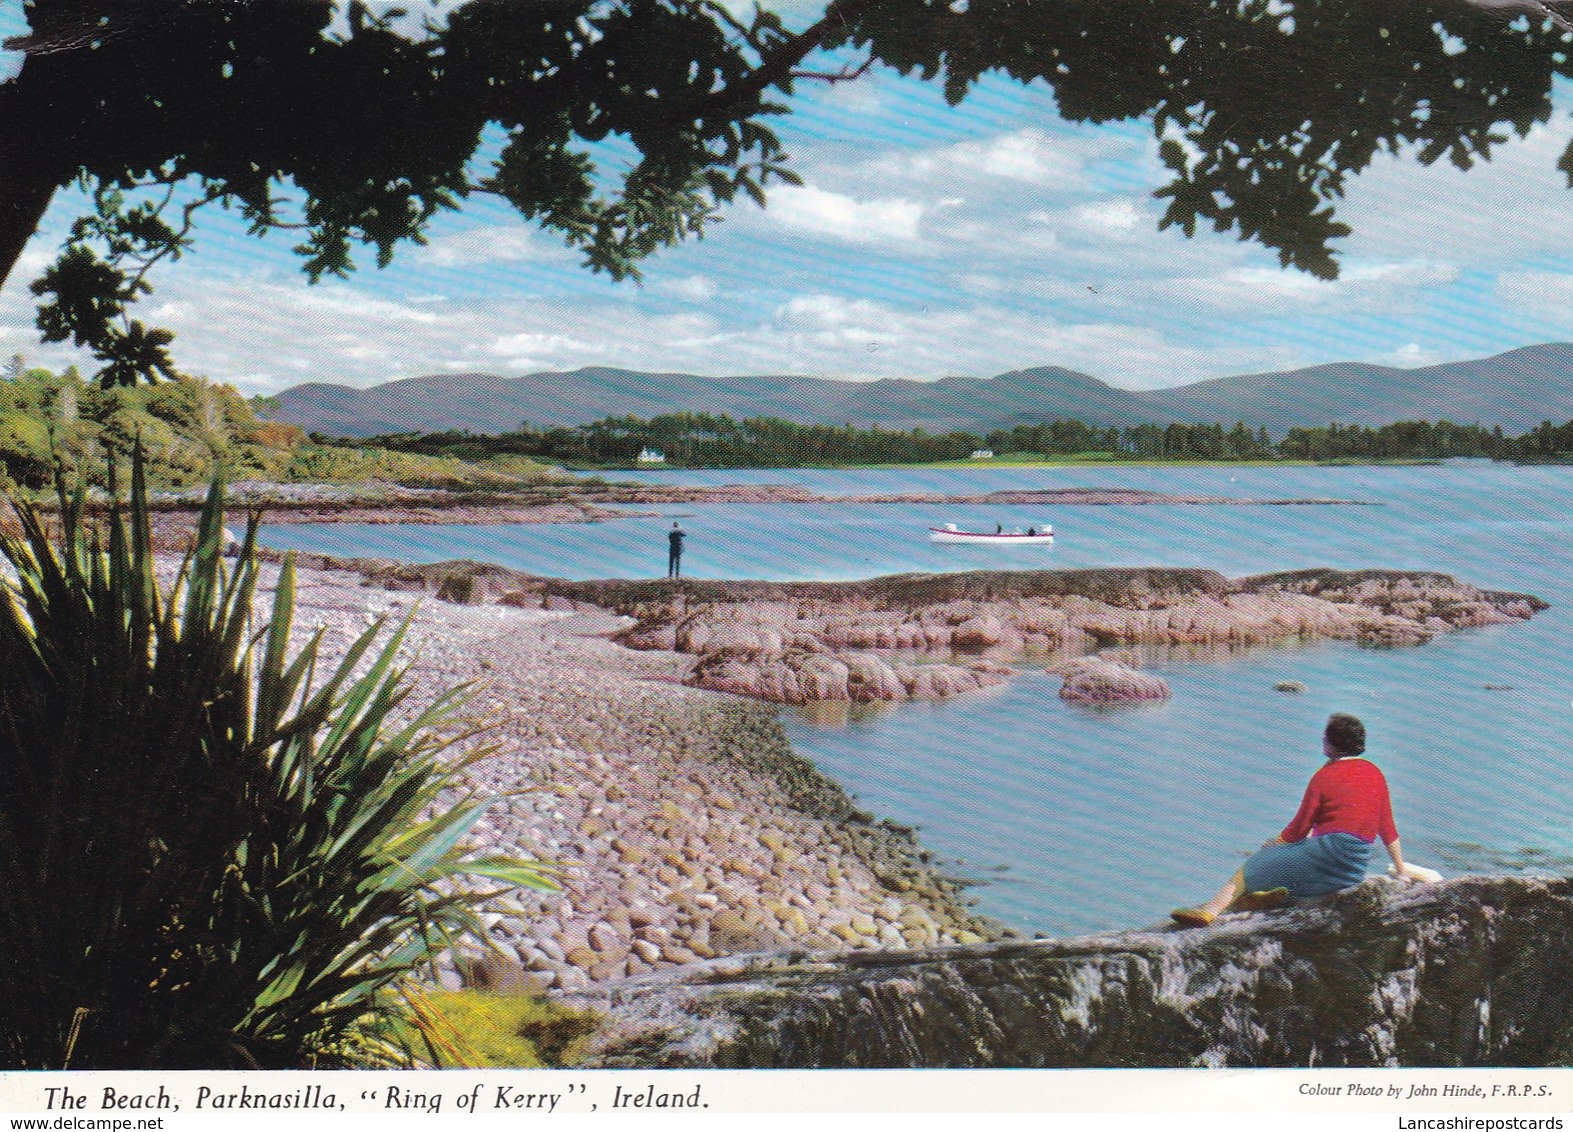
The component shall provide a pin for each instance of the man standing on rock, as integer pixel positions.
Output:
(674, 554)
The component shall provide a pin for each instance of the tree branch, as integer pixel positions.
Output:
(777, 66)
(188, 214)
(27, 181)
(844, 75)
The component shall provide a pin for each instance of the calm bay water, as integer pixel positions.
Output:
(1082, 820)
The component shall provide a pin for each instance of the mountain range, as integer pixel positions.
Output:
(1516, 390)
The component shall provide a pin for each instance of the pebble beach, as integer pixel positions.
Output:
(684, 826)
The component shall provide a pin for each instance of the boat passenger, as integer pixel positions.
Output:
(999, 528)
(1327, 846)
(1031, 531)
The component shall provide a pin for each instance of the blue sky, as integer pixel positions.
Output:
(926, 241)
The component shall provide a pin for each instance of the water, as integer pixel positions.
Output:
(1080, 820)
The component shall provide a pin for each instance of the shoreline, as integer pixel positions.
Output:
(640, 744)
(687, 826)
(595, 503)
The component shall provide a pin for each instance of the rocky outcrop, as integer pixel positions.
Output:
(930, 636)
(1464, 973)
(791, 641)
(1096, 680)
(816, 675)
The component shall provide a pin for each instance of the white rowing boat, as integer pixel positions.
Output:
(1035, 536)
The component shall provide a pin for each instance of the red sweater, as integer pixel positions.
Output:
(1345, 796)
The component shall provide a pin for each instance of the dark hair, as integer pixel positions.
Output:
(1345, 735)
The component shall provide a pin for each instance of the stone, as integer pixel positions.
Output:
(583, 957)
(604, 937)
(551, 948)
(728, 921)
(572, 979)
(643, 916)
(1295, 686)
(980, 632)
(1092, 680)
(1465, 972)
(496, 973)
(914, 916)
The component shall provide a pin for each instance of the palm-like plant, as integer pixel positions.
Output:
(209, 856)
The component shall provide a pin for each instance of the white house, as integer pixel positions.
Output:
(651, 456)
(983, 453)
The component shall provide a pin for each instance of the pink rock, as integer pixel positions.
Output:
(979, 632)
(1093, 680)
(662, 638)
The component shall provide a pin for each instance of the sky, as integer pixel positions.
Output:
(926, 241)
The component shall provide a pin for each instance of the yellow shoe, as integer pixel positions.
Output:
(1262, 901)
(1192, 917)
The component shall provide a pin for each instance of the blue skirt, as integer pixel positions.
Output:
(1313, 867)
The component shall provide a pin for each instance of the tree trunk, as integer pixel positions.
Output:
(28, 179)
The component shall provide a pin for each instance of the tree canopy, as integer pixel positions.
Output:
(355, 129)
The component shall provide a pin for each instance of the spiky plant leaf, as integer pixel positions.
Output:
(212, 856)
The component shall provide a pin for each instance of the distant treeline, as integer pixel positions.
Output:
(718, 441)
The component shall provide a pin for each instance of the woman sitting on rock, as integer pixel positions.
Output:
(1328, 844)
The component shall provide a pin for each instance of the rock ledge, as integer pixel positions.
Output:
(1467, 972)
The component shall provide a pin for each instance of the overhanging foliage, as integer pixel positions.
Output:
(356, 129)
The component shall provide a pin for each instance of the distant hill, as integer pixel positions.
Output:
(1516, 390)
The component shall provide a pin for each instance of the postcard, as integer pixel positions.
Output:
(980, 556)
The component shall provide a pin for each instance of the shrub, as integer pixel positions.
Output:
(273, 434)
(211, 857)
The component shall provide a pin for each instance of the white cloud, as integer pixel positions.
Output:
(837, 337)
(1114, 217)
(693, 288)
(534, 349)
(266, 333)
(1545, 294)
(1029, 155)
(31, 263)
(1399, 276)
(498, 243)
(832, 322)
(1512, 206)
(1251, 287)
(1260, 291)
(990, 191)
(978, 239)
(805, 208)
(1411, 356)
